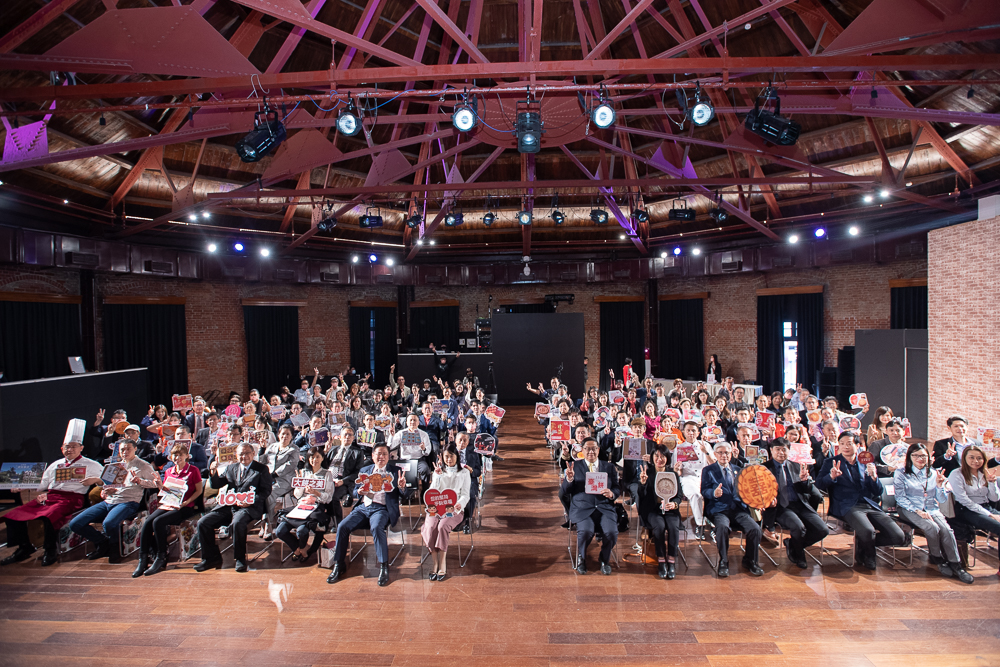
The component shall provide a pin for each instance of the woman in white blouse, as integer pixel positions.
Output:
(974, 486)
(448, 474)
(318, 519)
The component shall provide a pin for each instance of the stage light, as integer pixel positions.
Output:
(212, 247)
(206, 215)
(771, 125)
(488, 219)
(266, 134)
(420, 241)
(348, 124)
(603, 115)
(794, 238)
(65, 201)
(354, 259)
(524, 217)
(529, 131)
(370, 220)
(719, 215)
(869, 199)
(663, 254)
(192, 217)
(389, 262)
(820, 232)
(264, 252)
(373, 258)
(327, 224)
(599, 216)
(702, 111)
(431, 242)
(464, 118)
(238, 247)
(558, 216)
(641, 215)
(454, 219)
(909, 183)
(413, 221)
(884, 194)
(677, 251)
(696, 251)
(854, 231)
(685, 213)
(103, 122)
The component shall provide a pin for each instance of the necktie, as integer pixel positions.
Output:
(783, 487)
(592, 467)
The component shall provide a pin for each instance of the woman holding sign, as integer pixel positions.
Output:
(448, 475)
(180, 499)
(314, 488)
(282, 460)
(662, 516)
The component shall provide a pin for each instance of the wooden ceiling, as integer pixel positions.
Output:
(139, 139)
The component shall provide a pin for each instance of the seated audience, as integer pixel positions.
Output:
(590, 510)
(794, 510)
(975, 488)
(448, 474)
(662, 516)
(153, 539)
(319, 519)
(282, 460)
(724, 507)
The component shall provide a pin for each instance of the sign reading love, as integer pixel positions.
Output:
(440, 503)
(231, 498)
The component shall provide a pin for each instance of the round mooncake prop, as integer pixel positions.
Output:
(666, 485)
(757, 486)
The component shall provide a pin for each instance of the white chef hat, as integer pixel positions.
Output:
(75, 431)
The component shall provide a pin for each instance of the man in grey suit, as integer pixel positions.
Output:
(590, 510)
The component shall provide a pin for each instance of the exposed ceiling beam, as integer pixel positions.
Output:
(442, 19)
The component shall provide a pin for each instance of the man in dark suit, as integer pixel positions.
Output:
(199, 457)
(247, 475)
(855, 498)
(587, 510)
(724, 507)
(948, 451)
(198, 418)
(793, 509)
(376, 511)
(345, 461)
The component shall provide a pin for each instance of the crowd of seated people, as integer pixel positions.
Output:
(260, 446)
(831, 474)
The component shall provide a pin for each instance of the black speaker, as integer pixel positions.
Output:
(845, 375)
(826, 382)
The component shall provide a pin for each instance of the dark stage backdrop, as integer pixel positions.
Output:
(148, 335)
(437, 324)
(272, 334)
(362, 342)
(682, 339)
(35, 412)
(37, 338)
(532, 347)
(908, 307)
(621, 337)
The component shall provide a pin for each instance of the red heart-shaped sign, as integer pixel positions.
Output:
(440, 502)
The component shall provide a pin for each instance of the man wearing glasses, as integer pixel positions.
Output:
(589, 509)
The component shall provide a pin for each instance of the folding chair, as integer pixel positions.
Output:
(646, 537)
(888, 554)
(425, 550)
(732, 529)
(365, 532)
(573, 548)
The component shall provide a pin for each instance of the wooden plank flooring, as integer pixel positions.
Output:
(517, 603)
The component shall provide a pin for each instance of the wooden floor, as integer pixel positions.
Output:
(517, 603)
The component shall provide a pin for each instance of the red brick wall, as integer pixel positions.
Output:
(964, 354)
(854, 297)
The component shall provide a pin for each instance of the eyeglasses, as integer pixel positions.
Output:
(917, 457)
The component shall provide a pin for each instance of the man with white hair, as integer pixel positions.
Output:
(724, 507)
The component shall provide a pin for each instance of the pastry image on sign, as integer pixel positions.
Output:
(757, 486)
(601, 416)
(850, 424)
(666, 484)
(182, 402)
(485, 444)
(495, 414)
(894, 455)
(859, 400)
(71, 473)
(634, 449)
(559, 431)
(542, 410)
(374, 483)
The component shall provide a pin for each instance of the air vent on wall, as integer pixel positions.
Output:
(674, 270)
(731, 267)
(233, 271)
(779, 262)
(82, 259)
(624, 274)
(431, 280)
(330, 277)
(569, 276)
(485, 278)
(284, 274)
(384, 279)
(842, 256)
(911, 249)
(149, 266)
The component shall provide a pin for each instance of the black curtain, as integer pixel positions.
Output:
(806, 310)
(682, 339)
(547, 307)
(383, 342)
(770, 316)
(438, 325)
(622, 336)
(272, 334)
(909, 307)
(154, 336)
(809, 315)
(37, 338)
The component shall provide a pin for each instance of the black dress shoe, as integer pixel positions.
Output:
(383, 574)
(753, 568)
(671, 572)
(581, 566)
(723, 571)
(605, 569)
(102, 550)
(208, 565)
(662, 571)
(50, 558)
(241, 566)
(797, 561)
(961, 574)
(20, 554)
(141, 564)
(159, 565)
(565, 524)
(869, 564)
(338, 569)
